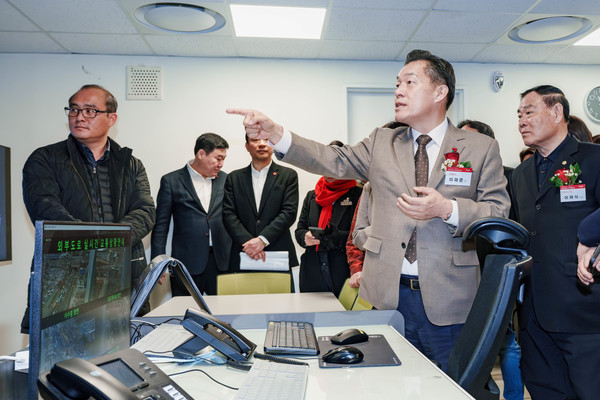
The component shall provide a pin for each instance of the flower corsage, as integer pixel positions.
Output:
(566, 176)
(452, 161)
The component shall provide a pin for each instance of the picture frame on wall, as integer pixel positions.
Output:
(5, 215)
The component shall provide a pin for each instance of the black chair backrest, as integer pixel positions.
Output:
(500, 242)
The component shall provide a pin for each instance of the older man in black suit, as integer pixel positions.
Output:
(553, 191)
(193, 196)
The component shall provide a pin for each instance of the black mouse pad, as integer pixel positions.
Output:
(377, 351)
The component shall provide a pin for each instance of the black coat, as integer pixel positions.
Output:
(191, 223)
(333, 244)
(277, 212)
(561, 303)
(57, 187)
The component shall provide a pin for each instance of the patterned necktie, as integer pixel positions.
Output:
(421, 175)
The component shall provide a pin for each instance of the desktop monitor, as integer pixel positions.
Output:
(5, 228)
(80, 293)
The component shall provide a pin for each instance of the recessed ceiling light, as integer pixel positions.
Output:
(550, 30)
(593, 39)
(179, 17)
(277, 22)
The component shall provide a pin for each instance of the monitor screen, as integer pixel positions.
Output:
(80, 292)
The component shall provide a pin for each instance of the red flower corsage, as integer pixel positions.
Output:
(452, 161)
(566, 176)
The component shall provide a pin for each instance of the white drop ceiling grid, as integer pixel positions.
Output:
(384, 30)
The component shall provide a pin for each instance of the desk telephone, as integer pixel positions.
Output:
(210, 331)
(124, 375)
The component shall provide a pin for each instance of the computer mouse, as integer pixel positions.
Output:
(350, 336)
(343, 355)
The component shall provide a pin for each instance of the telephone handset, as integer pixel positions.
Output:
(124, 375)
(210, 331)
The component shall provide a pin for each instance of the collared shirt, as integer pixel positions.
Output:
(258, 182)
(203, 187)
(543, 164)
(433, 148)
(90, 156)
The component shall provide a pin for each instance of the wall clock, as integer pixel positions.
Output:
(592, 104)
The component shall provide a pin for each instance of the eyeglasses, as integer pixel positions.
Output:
(86, 112)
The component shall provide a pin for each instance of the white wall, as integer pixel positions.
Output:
(307, 96)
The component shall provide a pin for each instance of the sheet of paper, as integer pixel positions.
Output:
(275, 261)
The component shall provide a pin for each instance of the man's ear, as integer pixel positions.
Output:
(557, 112)
(112, 118)
(441, 92)
(200, 154)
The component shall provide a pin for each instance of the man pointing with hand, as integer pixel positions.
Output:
(414, 260)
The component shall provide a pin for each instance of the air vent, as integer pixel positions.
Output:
(144, 83)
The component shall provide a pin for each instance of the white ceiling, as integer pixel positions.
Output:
(458, 30)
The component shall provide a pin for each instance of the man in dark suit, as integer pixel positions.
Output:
(559, 317)
(260, 206)
(193, 196)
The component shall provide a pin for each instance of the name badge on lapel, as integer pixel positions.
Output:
(571, 193)
(456, 176)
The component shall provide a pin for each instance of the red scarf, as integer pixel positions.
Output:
(327, 193)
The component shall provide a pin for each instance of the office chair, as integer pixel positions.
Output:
(500, 245)
(254, 283)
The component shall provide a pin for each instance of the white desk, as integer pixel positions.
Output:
(416, 378)
(252, 304)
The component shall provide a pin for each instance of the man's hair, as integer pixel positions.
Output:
(438, 70)
(479, 126)
(109, 99)
(337, 143)
(210, 141)
(579, 129)
(525, 152)
(551, 95)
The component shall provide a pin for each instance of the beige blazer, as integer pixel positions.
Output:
(448, 274)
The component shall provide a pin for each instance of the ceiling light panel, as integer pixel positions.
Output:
(277, 22)
(593, 39)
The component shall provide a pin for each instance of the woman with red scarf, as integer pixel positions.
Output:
(324, 265)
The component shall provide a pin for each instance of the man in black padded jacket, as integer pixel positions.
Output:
(90, 178)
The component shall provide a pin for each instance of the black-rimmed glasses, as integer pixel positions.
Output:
(86, 112)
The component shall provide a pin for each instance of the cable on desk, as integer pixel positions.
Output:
(136, 329)
(281, 360)
(205, 373)
(239, 365)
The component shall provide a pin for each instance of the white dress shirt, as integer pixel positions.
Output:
(203, 187)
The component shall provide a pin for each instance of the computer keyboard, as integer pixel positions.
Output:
(291, 338)
(164, 338)
(268, 380)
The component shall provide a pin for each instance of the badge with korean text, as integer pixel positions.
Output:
(456, 176)
(572, 193)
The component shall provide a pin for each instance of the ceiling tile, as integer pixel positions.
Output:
(277, 48)
(516, 53)
(385, 4)
(86, 16)
(94, 43)
(191, 45)
(576, 55)
(465, 27)
(517, 6)
(346, 50)
(13, 20)
(453, 52)
(566, 7)
(351, 24)
(28, 42)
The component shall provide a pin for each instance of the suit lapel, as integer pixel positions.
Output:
(247, 184)
(272, 176)
(565, 158)
(186, 181)
(452, 139)
(213, 190)
(404, 155)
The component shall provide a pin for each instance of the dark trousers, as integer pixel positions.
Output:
(559, 365)
(434, 341)
(205, 281)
